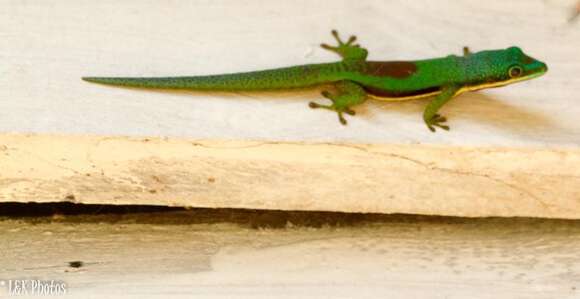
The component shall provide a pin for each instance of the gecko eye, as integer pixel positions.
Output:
(515, 71)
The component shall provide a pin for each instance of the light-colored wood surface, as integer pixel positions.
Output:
(526, 136)
(484, 259)
(418, 179)
(45, 47)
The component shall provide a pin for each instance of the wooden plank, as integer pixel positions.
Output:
(149, 256)
(45, 47)
(418, 179)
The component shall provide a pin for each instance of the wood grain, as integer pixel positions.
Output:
(138, 257)
(419, 179)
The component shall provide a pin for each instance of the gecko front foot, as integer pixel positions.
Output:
(437, 121)
(348, 49)
(349, 111)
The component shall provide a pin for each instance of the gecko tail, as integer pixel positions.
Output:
(289, 77)
(226, 82)
(135, 82)
(95, 79)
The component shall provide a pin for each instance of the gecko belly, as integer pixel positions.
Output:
(397, 96)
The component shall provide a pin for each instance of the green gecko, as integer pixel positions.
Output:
(355, 79)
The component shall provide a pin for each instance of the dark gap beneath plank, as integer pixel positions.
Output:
(148, 214)
(33, 209)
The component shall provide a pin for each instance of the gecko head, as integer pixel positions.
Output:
(521, 66)
(507, 66)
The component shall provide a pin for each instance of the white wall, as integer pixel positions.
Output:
(45, 47)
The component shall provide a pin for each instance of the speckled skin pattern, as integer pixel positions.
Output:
(355, 78)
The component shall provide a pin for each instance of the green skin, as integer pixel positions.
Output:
(355, 79)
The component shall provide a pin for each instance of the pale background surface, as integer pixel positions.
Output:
(45, 47)
(152, 256)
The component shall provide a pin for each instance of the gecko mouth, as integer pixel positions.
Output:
(534, 73)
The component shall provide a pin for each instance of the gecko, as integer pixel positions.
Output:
(354, 79)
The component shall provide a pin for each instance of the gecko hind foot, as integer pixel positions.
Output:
(348, 49)
(341, 118)
(340, 43)
(466, 51)
(347, 94)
